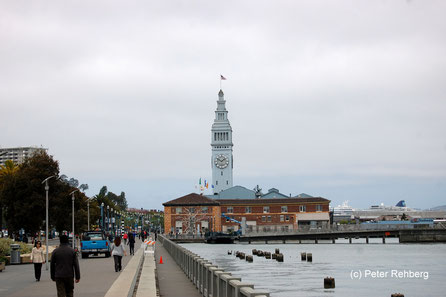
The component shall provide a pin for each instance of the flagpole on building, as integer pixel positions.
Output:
(221, 78)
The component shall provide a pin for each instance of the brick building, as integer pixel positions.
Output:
(195, 213)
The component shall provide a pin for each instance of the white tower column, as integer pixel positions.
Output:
(221, 143)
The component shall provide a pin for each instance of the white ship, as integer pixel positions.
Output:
(342, 212)
(400, 206)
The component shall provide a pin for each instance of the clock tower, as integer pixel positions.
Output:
(221, 143)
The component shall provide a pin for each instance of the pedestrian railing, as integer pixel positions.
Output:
(184, 236)
(277, 231)
(209, 279)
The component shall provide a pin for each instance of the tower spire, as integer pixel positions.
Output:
(221, 142)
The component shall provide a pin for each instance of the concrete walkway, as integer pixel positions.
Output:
(171, 279)
(97, 276)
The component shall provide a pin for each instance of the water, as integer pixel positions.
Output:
(342, 261)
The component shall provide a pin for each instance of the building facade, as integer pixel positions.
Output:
(195, 214)
(18, 154)
(221, 142)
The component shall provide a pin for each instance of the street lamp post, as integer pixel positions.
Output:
(112, 222)
(142, 219)
(108, 217)
(88, 213)
(72, 216)
(47, 188)
(118, 226)
(102, 216)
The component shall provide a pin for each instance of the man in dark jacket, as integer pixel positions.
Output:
(64, 268)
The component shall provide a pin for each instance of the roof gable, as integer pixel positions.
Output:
(274, 195)
(191, 199)
(236, 192)
(303, 195)
(263, 201)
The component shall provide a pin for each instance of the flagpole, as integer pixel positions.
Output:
(220, 81)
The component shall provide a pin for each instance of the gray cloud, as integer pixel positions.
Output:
(127, 90)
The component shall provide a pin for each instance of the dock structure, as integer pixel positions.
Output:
(405, 236)
(208, 279)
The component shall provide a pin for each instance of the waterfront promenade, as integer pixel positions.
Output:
(141, 275)
(97, 276)
(171, 279)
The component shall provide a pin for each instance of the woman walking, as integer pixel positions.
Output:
(38, 259)
(118, 251)
(131, 243)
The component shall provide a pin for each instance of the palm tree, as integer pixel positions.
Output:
(9, 169)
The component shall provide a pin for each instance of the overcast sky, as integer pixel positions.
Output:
(340, 99)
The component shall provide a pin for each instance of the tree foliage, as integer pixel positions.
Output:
(111, 199)
(23, 197)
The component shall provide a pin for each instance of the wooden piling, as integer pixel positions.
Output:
(303, 256)
(279, 257)
(277, 251)
(249, 259)
(267, 255)
(397, 295)
(329, 283)
(274, 256)
(254, 252)
(309, 257)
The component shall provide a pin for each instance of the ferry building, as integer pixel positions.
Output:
(233, 207)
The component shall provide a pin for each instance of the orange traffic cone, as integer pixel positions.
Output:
(161, 260)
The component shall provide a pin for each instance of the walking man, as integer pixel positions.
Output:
(131, 243)
(64, 268)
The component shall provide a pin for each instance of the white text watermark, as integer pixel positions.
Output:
(393, 273)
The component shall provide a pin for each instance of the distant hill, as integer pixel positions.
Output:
(439, 208)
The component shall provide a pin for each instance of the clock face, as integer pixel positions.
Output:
(221, 161)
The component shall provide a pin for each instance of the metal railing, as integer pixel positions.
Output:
(185, 236)
(341, 228)
(210, 280)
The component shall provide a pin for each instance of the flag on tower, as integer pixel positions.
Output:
(222, 77)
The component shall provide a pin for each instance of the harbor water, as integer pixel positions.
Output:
(359, 269)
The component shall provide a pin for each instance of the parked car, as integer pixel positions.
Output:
(95, 243)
